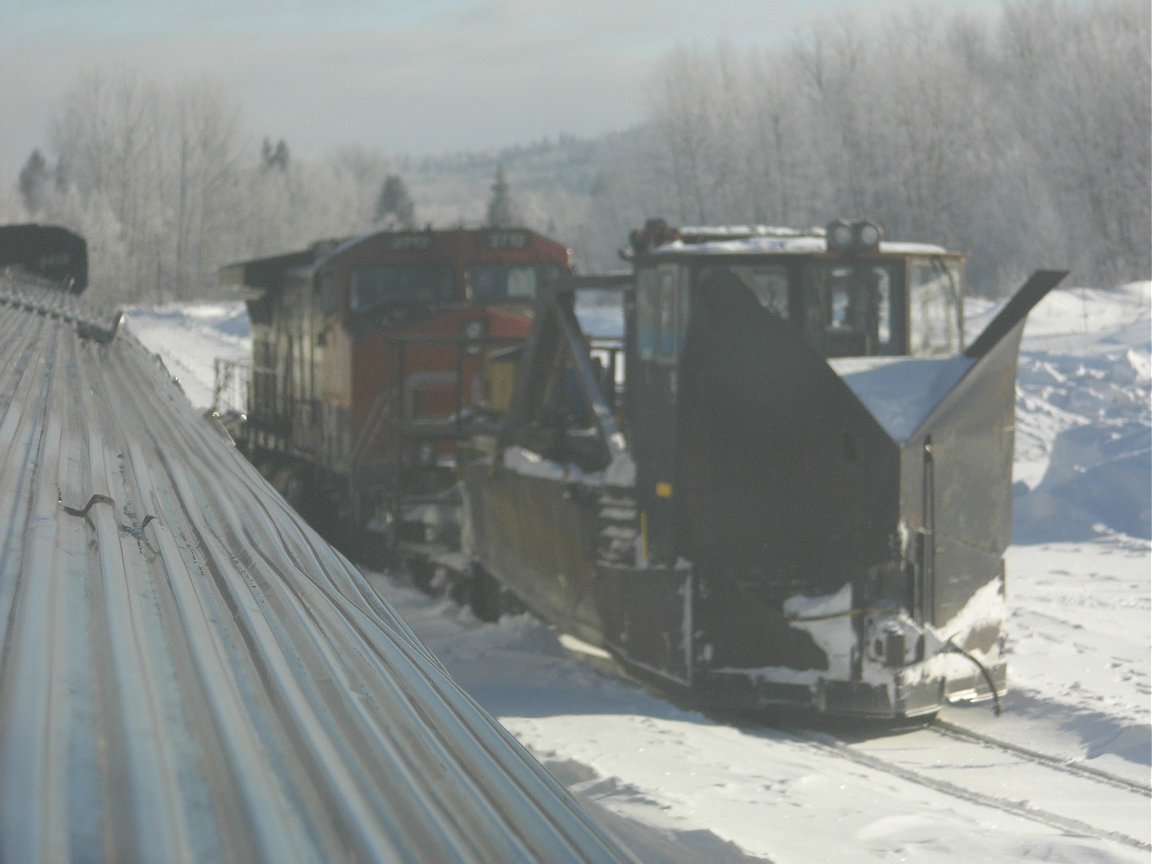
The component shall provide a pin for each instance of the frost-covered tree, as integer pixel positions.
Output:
(163, 163)
(394, 207)
(274, 156)
(502, 211)
(35, 183)
(1024, 139)
(1078, 82)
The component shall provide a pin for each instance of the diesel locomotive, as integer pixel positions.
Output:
(366, 360)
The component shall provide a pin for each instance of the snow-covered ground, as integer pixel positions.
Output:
(190, 338)
(1061, 776)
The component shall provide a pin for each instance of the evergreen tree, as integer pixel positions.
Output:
(394, 207)
(502, 212)
(34, 179)
(274, 156)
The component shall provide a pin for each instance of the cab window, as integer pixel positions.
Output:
(769, 284)
(661, 313)
(496, 283)
(389, 285)
(934, 314)
(850, 310)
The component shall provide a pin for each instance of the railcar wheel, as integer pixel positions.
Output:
(484, 595)
(488, 599)
(422, 574)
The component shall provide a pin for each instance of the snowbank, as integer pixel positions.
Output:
(1084, 432)
(190, 337)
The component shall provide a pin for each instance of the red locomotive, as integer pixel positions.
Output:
(367, 355)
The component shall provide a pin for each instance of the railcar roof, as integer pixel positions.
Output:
(268, 273)
(353, 242)
(798, 244)
(188, 671)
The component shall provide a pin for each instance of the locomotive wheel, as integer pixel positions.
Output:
(422, 573)
(294, 481)
(488, 599)
(484, 595)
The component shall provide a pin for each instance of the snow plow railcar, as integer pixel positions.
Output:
(797, 492)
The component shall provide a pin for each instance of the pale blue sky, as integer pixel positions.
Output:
(401, 76)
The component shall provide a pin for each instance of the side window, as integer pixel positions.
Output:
(661, 312)
(562, 424)
(842, 303)
(934, 307)
(770, 285)
(882, 286)
(850, 310)
(666, 311)
(495, 283)
(521, 283)
(647, 327)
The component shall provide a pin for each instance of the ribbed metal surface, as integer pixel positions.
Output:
(188, 673)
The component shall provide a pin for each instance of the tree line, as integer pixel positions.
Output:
(1022, 138)
(166, 187)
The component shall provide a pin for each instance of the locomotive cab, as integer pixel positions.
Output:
(366, 362)
(798, 492)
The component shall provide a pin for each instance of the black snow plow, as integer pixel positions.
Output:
(787, 483)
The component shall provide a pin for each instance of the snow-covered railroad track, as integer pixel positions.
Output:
(951, 730)
(1014, 780)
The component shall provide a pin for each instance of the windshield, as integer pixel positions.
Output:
(850, 310)
(494, 283)
(934, 315)
(376, 287)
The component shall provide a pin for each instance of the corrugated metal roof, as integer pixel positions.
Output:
(190, 673)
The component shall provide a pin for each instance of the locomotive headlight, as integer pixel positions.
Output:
(844, 238)
(473, 330)
(839, 236)
(868, 236)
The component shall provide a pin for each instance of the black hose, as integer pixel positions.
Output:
(848, 613)
(951, 648)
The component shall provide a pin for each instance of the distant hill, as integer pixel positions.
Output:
(586, 192)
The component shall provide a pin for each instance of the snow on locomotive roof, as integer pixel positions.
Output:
(779, 244)
(755, 240)
(522, 238)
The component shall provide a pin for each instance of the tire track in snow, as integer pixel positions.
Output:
(831, 744)
(959, 733)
